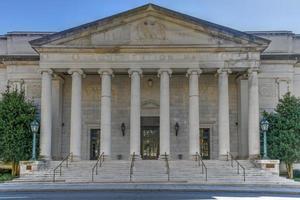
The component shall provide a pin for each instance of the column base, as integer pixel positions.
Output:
(45, 158)
(136, 157)
(254, 157)
(162, 157)
(76, 158)
(223, 157)
(193, 157)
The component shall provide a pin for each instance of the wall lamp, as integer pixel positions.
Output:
(123, 128)
(176, 128)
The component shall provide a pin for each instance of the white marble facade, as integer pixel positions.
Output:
(151, 62)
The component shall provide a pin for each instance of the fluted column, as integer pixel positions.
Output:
(194, 110)
(135, 111)
(105, 145)
(164, 131)
(223, 114)
(46, 114)
(253, 117)
(75, 137)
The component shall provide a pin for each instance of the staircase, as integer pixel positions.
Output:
(183, 171)
(150, 171)
(221, 172)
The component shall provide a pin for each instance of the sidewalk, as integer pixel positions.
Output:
(33, 187)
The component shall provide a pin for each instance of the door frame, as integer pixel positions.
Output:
(210, 127)
(141, 134)
(88, 142)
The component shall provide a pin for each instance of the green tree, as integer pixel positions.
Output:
(284, 132)
(16, 113)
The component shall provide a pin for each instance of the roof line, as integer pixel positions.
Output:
(244, 35)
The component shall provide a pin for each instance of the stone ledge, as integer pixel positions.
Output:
(268, 165)
(29, 167)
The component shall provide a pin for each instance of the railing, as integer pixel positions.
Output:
(131, 166)
(167, 165)
(59, 166)
(98, 164)
(238, 164)
(201, 162)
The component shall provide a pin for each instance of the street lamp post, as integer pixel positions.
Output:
(34, 125)
(264, 126)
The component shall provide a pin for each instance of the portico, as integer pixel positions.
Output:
(135, 75)
(165, 66)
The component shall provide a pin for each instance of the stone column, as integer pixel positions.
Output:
(75, 137)
(105, 145)
(223, 114)
(164, 125)
(194, 110)
(135, 111)
(46, 114)
(253, 117)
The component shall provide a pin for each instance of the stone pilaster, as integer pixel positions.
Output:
(164, 131)
(223, 113)
(135, 111)
(193, 75)
(75, 136)
(106, 75)
(253, 117)
(46, 114)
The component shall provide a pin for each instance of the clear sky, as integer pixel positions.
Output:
(57, 15)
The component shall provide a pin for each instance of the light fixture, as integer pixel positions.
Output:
(123, 128)
(176, 128)
(150, 82)
(264, 126)
(34, 125)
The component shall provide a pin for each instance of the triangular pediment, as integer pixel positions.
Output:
(149, 25)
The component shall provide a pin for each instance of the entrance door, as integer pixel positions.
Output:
(94, 143)
(205, 143)
(150, 137)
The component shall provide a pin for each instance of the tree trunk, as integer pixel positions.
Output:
(290, 171)
(15, 169)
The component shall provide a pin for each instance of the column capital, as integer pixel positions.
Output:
(49, 71)
(224, 70)
(196, 71)
(132, 70)
(106, 71)
(253, 70)
(79, 71)
(160, 71)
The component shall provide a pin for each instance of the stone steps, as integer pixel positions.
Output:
(219, 172)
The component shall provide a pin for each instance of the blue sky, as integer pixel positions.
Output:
(57, 15)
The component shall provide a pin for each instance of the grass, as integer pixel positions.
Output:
(6, 177)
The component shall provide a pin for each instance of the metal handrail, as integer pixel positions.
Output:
(131, 166)
(238, 165)
(66, 159)
(167, 165)
(98, 164)
(201, 162)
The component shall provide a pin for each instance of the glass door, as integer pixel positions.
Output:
(204, 139)
(94, 143)
(150, 142)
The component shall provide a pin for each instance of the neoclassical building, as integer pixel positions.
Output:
(151, 81)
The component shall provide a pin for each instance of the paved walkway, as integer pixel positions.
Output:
(30, 187)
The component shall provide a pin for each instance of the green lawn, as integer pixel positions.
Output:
(5, 177)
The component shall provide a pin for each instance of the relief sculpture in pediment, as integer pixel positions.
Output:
(151, 30)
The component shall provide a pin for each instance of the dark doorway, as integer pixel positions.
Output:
(94, 143)
(204, 139)
(149, 138)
